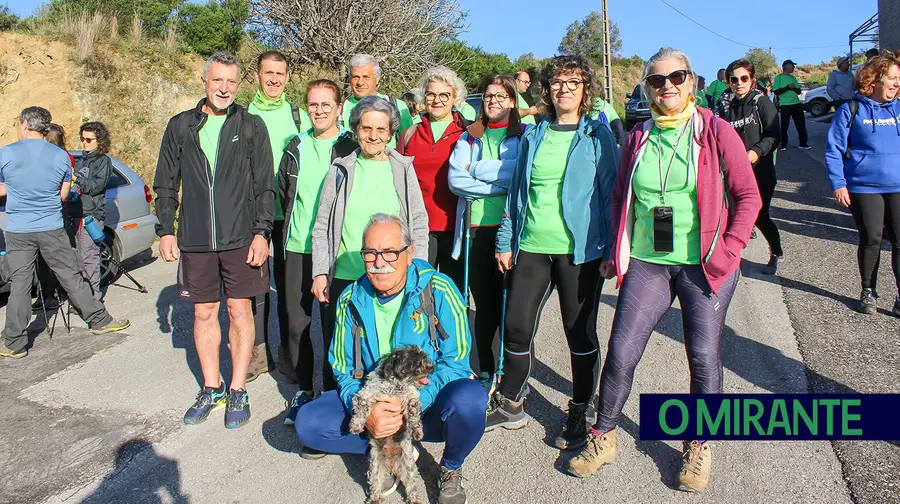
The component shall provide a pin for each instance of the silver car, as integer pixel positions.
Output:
(129, 225)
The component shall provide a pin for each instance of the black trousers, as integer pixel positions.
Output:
(299, 300)
(440, 250)
(263, 303)
(875, 213)
(794, 112)
(328, 312)
(764, 222)
(486, 285)
(533, 278)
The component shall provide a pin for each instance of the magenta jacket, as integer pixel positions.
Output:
(724, 232)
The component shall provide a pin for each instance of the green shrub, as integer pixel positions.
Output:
(8, 19)
(216, 26)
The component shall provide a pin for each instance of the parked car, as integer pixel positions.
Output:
(818, 102)
(637, 108)
(129, 225)
(474, 100)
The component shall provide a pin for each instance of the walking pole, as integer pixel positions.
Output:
(467, 240)
(502, 325)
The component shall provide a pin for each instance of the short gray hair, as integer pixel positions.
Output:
(447, 76)
(375, 104)
(37, 119)
(380, 218)
(223, 58)
(663, 54)
(363, 60)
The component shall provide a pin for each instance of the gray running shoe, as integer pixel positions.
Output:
(505, 413)
(867, 302)
(450, 483)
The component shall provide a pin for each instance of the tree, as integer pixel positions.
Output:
(216, 26)
(763, 62)
(405, 35)
(585, 38)
(472, 64)
(8, 19)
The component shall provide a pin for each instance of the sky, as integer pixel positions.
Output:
(537, 26)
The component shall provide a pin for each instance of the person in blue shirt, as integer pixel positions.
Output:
(35, 177)
(384, 310)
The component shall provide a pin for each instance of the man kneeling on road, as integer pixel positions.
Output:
(384, 309)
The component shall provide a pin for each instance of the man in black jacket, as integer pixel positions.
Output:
(221, 157)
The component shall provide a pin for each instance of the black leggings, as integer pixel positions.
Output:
(533, 278)
(263, 303)
(486, 284)
(764, 221)
(440, 255)
(794, 112)
(873, 214)
(646, 295)
(298, 276)
(328, 312)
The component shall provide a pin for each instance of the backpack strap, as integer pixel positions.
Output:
(854, 108)
(247, 133)
(426, 300)
(407, 135)
(181, 131)
(295, 113)
(758, 96)
(356, 331)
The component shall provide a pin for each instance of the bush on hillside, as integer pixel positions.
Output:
(8, 19)
(154, 14)
(216, 26)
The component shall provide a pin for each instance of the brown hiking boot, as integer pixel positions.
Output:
(600, 449)
(696, 462)
(259, 363)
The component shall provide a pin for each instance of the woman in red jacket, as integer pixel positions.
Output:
(431, 143)
(674, 238)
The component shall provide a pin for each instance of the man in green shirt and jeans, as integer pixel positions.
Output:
(787, 89)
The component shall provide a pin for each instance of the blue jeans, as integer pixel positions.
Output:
(456, 418)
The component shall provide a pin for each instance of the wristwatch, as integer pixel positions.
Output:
(265, 234)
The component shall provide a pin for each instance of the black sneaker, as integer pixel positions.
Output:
(311, 454)
(774, 265)
(237, 409)
(505, 413)
(896, 310)
(302, 397)
(575, 432)
(867, 303)
(805, 147)
(450, 484)
(208, 400)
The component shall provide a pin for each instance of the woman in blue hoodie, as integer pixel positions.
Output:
(862, 155)
(555, 233)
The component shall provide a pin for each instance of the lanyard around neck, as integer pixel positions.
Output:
(664, 183)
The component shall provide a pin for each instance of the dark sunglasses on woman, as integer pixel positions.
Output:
(744, 78)
(677, 78)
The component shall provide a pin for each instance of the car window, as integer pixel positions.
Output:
(116, 180)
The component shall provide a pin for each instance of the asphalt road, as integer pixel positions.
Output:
(98, 419)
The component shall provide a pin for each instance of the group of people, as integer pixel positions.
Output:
(51, 199)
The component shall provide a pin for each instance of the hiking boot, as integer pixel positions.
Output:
(12, 354)
(504, 413)
(259, 363)
(867, 303)
(896, 310)
(311, 454)
(774, 265)
(450, 484)
(237, 409)
(575, 432)
(696, 462)
(302, 397)
(113, 325)
(208, 400)
(600, 449)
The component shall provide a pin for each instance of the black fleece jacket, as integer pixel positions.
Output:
(92, 172)
(759, 129)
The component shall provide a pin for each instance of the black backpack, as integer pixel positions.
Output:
(854, 108)
(295, 113)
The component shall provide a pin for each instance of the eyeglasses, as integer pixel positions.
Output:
(324, 107)
(88, 140)
(499, 97)
(571, 84)
(369, 255)
(743, 78)
(437, 97)
(677, 78)
(526, 82)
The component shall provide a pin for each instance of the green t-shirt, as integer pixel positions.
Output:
(416, 119)
(282, 128)
(372, 192)
(467, 111)
(545, 230)
(209, 138)
(315, 159)
(522, 104)
(681, 195)
(790, 97)
(438, 129)
(488, 212)
(405, 118)
(716, 89)
(601, 105)
(700, 96)
(385, 318)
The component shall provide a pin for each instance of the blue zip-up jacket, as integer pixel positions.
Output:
(586, 193)
(472, 177)
(875, 147)
(355, 306)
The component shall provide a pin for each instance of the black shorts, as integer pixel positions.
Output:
(201, 276)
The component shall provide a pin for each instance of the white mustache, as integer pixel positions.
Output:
(387, 270)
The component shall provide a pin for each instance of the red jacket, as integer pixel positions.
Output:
(432, 165)
(723, 234)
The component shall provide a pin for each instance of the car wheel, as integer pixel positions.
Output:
(109, 272)
(818, 108)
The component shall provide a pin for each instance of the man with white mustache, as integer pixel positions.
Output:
(220, 157)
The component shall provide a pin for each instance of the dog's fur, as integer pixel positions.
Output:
(397, 375)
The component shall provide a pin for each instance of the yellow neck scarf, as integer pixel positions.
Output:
(673, 121)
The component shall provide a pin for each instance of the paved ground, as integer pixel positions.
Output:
(98, 419)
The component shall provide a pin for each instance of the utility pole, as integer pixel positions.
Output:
(607, 58)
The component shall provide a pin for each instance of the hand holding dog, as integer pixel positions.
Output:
(385, 417)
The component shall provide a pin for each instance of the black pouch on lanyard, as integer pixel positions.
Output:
(663, 229)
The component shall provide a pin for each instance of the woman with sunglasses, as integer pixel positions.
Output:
(755, 119)
(430, 143)
(480, 168)
(92, 172)
(674, 237)
(555, 233)
(301, 174)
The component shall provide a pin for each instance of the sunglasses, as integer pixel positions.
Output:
(677, 78)
(735, 80)
(88, 140)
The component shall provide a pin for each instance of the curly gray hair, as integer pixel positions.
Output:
(375, 104)
(363, 60)
(663, 54)
(446, 76)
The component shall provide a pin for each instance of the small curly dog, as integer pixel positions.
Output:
(400, 374)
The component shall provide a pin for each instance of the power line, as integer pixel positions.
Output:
(741, 43)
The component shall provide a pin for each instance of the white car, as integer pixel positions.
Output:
(818, 102)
